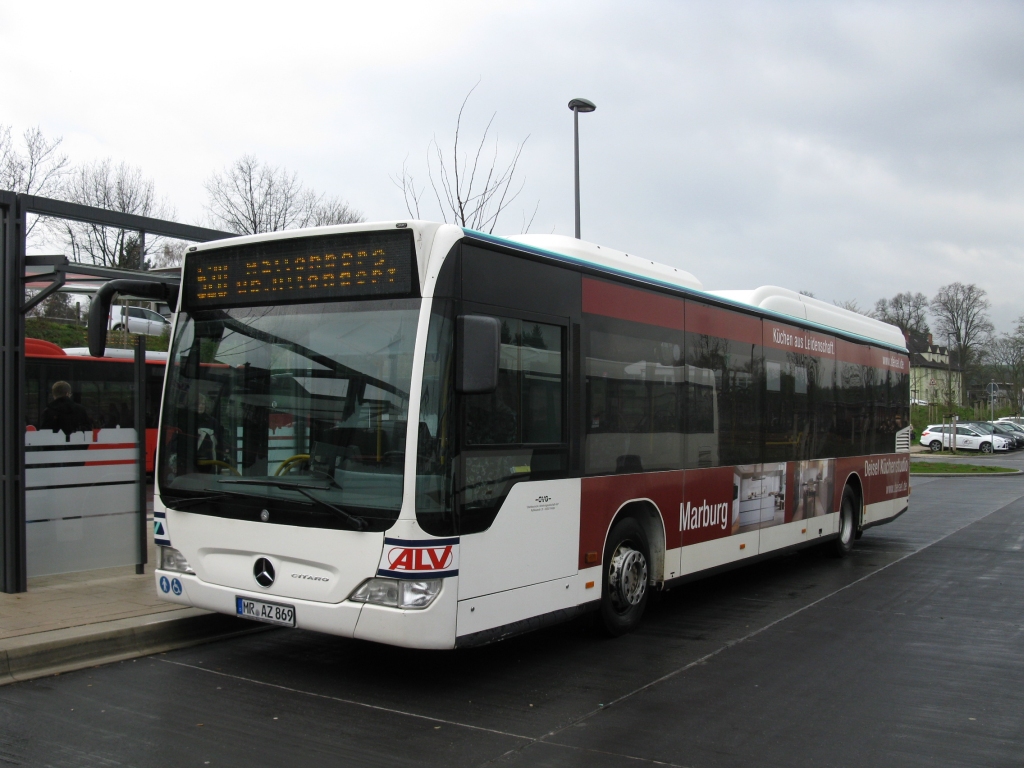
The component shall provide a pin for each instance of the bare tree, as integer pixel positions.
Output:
(850, 305)
(327, 211)
(170, 254)
(35, 170)
(252, 197)
(907, 311)
(119, 188)
(1006, 356)
(961, 313)
(472, 189)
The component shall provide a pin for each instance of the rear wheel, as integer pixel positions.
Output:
(986, 447)
(848, 513)
(626, 575)
(935, 446)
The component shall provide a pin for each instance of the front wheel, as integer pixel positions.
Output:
(935, 446)
(625, 579)
(986, 447)
(843, 545)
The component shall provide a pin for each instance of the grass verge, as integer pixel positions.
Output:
(947, 467)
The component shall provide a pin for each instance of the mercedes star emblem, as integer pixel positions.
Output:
(263, 571)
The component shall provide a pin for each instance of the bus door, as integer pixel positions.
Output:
(518, 512)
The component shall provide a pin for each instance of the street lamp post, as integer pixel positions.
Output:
(949, 383)
(577, 106)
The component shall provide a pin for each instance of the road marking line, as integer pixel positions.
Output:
(350, 701)
(732, 643)
(390, 710)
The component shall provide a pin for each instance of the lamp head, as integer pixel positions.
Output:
(582, 105)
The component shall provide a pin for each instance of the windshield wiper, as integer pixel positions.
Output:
(359, 522)
(189, 501)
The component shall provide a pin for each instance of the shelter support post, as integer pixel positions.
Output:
(140, 434)
(12, 374)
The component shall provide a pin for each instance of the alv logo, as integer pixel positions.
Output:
(420, 559)
(408, 558)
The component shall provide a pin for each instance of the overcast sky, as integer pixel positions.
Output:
(854, 150)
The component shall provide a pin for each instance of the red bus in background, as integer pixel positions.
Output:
(102, 385)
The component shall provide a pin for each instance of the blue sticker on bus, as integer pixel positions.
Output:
(165, 585)
(176, 587)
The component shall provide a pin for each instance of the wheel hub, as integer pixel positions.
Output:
(627, 575)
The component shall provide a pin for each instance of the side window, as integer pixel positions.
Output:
(724, 351)
(853, 426)
(137, 313)
(516, 433)
(527, 406)
(799, 393)
(638, 391)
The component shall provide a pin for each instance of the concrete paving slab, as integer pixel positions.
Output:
(75, 599)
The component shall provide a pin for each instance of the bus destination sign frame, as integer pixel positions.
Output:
(347, 265)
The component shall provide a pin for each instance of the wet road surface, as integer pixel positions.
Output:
(909, 652)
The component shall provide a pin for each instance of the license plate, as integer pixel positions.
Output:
(271, 613)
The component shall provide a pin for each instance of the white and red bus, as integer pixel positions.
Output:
(104, 386)
(422, 435)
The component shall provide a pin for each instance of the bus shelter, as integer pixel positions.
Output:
(47, 275)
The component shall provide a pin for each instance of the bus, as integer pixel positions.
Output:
(104, 386)
(422, 435)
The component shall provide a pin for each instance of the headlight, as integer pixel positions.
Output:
(172, 560)
(418, 594)
(398, 593)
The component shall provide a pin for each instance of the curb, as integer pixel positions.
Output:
(27, 657)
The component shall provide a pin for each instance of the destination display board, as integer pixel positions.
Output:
(301, 269)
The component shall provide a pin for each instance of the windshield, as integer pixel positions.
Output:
(292, 414)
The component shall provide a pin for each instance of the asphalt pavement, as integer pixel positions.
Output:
(910, 653)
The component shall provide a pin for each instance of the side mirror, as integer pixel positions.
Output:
(478, 347)
(99, 310)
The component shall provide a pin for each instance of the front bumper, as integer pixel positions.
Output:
(431, 627)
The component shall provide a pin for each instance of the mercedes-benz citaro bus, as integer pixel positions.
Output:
(422, 435)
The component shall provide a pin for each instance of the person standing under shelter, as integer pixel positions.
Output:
(63, 414)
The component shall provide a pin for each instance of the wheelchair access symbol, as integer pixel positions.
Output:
(176, 586)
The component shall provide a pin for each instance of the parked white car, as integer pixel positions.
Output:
(936, 437)
(141, 321)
